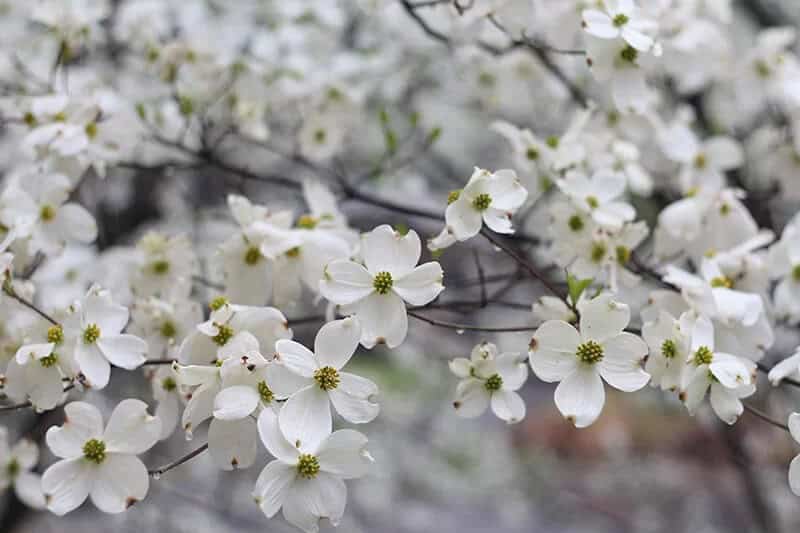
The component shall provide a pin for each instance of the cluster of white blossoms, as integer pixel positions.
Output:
(118, 113)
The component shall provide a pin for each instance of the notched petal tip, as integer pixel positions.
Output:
(131, 501)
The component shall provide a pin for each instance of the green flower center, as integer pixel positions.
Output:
(598, 252)
(453, 196)
(482, 202)
(327, 378)
(494, 383)
(703, 356)
(620, 20)
(319, 136)
(796, 273)
(160, 267)
(13, 468)
(575, 223)
(252, 256)
(306, 222)
(700, 161)
(169, 384)
(264, 391)
(91, 130)
(382, 282)
(623, 255)
(47, 213)
(669, 349)
(592, 201)
(95, 451)
(168, 329)
(552, 141)
(724, 209)
(722, 282)
(629, 54)
(589, 352)
(532, 154)
(307, 466)
(293, 252)
(225, 334)
(55, 334)
(218, 303)
(91, 334)
(49, 361)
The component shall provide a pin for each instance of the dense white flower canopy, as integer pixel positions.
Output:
(220, 208)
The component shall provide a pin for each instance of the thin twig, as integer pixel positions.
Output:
(9, 290)
(188, 457)
(469, 327)
(765, 417)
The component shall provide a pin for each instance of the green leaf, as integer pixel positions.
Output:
(576, 287)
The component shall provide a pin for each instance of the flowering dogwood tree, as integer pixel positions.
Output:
(236, 202)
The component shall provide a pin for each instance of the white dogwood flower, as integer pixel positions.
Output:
(100, 463)
(377, 292)
(16, 463)
(489, 378)
(579, 359)
(619, 19)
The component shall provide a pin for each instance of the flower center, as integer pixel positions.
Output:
(307, 466)
(293, 252)
(225, 334)
(629, 54)
(623, 255)
(668, 349)
(168, 329)
(218, 303)
(306, 222)
(532, 154)
(552, 141)
(12, 468)
(796, 273)
(722, 282)
(160, 267)
(91, 130)
(494, 383)
(327, 378)
(91, 334)
(598, 252)
(264, 391)
(703, 356)
(590, 352)
(482, 202)
(620, 20)
(55, 334)
(592, 201)
(49, 361)
(47, 213)
(453, 196)
(95, 451)
(382, 282)
(169, 384)
(575, 223)
(252, 256)
(700, 161)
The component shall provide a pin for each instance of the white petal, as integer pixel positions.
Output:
(422, 285)
(28, 488)
(200, 406)
(283, 382)
(472, 398)
(82, 422)
(272, 486)
(621, 366)
(463, 220)
(552, 350)
(119, 482)
(232, 443)
(461, 367)
(637, 39)
(296, 358)
(76, 223)
(33, 351)
(723, 153)
(305, 418)
(345, 282)
(725, 404)
(66, 485)
(599, 24)
(131, 429)
(508, 406)
(273, 439)
(695, 390)
(702, 334)
(383, 320)
(125, 351)
(498, 220)
(385, 250)
(603, 318)
(93, 365)
(794, 475)
(731, 371)
(336, 342)
(630, 90)
(235, 403)
(309, 500)
(26, 452)
(353, 398)
(342, 454)
(794, 426)
(580, 396)
(513, 371)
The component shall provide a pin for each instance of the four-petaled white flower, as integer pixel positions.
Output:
(578, 359)
(490, 379)
(377, 292)
(98, 463)
(306, 477)
(16, 463)
(598, 196)
(619, 19)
